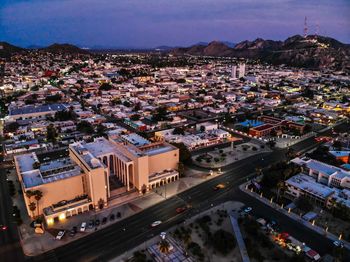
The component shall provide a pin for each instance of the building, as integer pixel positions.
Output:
(241, 70)
(325, 174)
(234, 72)
(34, 112)
(84, 181)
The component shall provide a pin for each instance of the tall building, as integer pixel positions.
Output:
(241, 70)
(234, 72)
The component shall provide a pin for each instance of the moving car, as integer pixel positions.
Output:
(247, 210)
(83, 227)
(181, 209)
(60, 234)
(156, 223)
(219, 186)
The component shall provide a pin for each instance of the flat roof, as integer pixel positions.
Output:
(30, 109)
(308, 184)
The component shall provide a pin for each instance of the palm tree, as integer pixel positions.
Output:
(280, 186)
(29, 194)
(32, 207)
(38, 195)
(164, 246)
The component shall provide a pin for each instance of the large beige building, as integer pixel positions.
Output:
(84, 180)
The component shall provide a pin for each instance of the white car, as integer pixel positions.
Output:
(338, 243)
(156, 223)
(83, 227)
(60, 235)
(247, 210)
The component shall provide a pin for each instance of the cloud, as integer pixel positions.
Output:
(154, 22)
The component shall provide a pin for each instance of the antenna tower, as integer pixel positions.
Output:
(305, 27)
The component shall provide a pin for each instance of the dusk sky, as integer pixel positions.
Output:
(150, 23)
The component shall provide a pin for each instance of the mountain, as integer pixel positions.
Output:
(7, 50)
(64, 49)
(310, 52)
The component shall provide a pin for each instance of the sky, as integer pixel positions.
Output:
(151, 23)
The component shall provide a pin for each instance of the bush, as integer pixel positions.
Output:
(195, 249)
(223, 241)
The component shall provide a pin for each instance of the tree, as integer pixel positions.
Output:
(304, 204)
(164, 246)
(181, 169)
(85, 127)
(32, 207)
(223, 241)
(139, 257)
(105, 87)
(160, 114)
(12, 127)
(36, 165)
(53, 99)
(38, 195)
(101, 203)
(185, 154)
(100, 130)
(178, 131)
(51, 133)
(135, 117)
(29, 194)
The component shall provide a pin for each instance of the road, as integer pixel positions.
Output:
(10, 249)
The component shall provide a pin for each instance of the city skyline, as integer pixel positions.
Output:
(138, 24)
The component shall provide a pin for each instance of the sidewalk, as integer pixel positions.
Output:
(239, 238)
(293, 216)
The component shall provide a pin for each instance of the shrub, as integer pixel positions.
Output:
(223, 241)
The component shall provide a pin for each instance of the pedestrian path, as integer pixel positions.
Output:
(239, 238)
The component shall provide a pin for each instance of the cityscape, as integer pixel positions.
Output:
(127, 135)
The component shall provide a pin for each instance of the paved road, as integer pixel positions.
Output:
(10, 249)
(120, 237)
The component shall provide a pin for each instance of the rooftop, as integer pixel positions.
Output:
(308, 184)
(30, 109)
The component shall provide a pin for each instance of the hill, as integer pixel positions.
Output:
(64, 49)
(311, 52)
(7, 50)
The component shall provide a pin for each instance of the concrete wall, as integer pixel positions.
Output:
(65, 189)
(167, 160)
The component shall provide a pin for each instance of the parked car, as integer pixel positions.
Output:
(83, 227)
(91, 224)
(60, 234)
(104, 220)
(338, 243)
(156, 223)
(73, 232)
